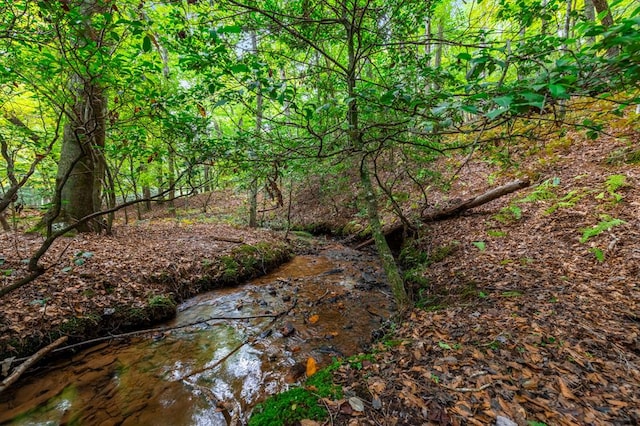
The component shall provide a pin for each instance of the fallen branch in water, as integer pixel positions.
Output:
(29, 362)
(153, 330)
(248, 340)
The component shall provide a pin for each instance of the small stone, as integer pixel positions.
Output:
(505, 421)
(265, 334)
(288, 329)
(376, 403)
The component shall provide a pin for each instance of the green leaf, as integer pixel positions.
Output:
(504, 101)
(470, 109)
(534, 99)
(604, 225)
(491, 115)
(598, 253)
(444, 345)
(558, 91)
(230, 29)
(481, 245)
(464, 56)
(146, 44)
(239, 68)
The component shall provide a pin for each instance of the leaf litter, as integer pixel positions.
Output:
(532, 330)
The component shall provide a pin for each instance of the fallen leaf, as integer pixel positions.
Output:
(312, 367)
(564, 389)
(356, 403)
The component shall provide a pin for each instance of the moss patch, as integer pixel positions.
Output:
(299, 403)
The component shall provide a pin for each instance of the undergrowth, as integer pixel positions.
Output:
(292, 406)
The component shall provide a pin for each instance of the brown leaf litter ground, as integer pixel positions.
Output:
(106, 284)
(517, 317)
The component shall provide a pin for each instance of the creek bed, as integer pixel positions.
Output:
(225, 351)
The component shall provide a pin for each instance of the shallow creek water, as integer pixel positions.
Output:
(220, 356)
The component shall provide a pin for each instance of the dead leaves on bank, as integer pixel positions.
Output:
(439, 374)
(89, 277)
(532, 328)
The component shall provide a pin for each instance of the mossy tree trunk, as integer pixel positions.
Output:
(356, 139)
(81, 167)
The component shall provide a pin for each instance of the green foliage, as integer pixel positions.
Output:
(624, 155)
(299, 403)
(161, 301)
(230, 269)
(415, 261)
(542, 192)
(612, 184)
(568, 201)
(507, 214)
(496, 233)
(448, 347)
(481, 245)
(598, 253)
(605, 224)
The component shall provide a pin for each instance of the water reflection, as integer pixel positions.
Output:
(236, 347)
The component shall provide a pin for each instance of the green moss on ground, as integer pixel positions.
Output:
(292, 406)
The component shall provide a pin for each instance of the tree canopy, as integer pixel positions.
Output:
(107, 102)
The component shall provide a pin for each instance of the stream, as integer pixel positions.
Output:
(225, 351)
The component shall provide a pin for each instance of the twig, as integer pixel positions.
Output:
(248, 340)
(29, 362)
(321, 297)
(480, 389)
(157, 330)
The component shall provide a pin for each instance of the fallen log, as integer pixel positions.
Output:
(227, 239)
(460, 207)
(28, 363)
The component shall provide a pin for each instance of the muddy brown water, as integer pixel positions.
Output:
(211, 369)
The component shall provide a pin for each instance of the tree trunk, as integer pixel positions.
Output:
(384, 251)
(253, 186)
(172, 179)
(438, 59)
(5, 224)
(146, 194)
(602, 7)
(81, 166)
(356, 141)
(567, 22)
(590, 15)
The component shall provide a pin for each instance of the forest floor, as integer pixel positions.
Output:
(528, 306)
(97, 285)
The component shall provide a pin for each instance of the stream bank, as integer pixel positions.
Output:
(225, 351)
(100, 285)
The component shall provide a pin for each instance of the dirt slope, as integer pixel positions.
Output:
(528, 307)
